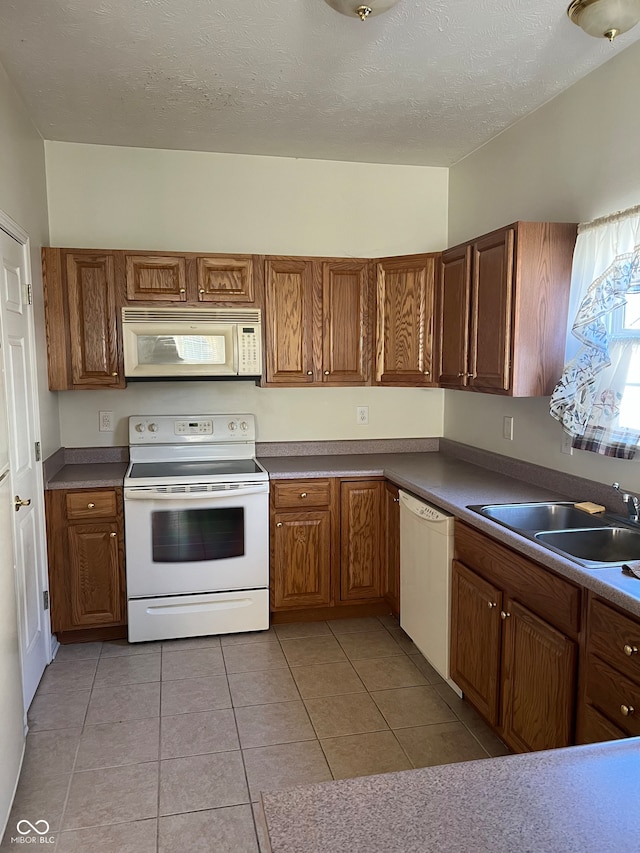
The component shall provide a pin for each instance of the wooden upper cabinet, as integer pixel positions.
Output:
(491, 300)
(225, 279)
(361, 540)
(318, 328)
(454, 300)
(87, 308)
(346, 337)
(289, 320)
(405, 322)
(502, 305)
(152, 278)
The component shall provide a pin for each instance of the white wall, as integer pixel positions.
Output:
(23, 198)
(574, 159)
(107, 197)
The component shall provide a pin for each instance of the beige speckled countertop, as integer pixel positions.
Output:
(578, 800)
(453, 484)
(88, 475)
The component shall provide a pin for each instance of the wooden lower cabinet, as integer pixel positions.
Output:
(327, 548)
(610, 675)
(391, 567)
(514, 655)
(85, 536)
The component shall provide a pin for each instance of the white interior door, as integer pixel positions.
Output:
(27, 510)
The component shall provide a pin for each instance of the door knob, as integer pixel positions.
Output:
(18, 502)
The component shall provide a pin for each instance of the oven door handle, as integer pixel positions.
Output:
(142, 494)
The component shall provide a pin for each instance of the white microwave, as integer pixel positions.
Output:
(192, 343)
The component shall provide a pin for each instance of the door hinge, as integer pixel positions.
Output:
(28, 294)
(38, 451)
(45, 599)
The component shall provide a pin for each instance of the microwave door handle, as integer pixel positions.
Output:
(142, 494)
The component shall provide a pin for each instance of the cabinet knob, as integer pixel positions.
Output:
(303, 494)
(326, 373)
(309, 372)
(115, 373)
(279, 524)
(113, 535)
(183, 290)
(491, 604)
(460, 375)
(396, 500)
(626, 710)
(427, 373)
(201, 291)
(90, 505)
(630, 650)
(504, 614)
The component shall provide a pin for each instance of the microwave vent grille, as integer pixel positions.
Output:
(191, 315)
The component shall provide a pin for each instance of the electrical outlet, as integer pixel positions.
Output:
(105, 421)
(507, 427)
(566, 443)
(362, 415)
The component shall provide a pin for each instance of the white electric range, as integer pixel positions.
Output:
(196, 506)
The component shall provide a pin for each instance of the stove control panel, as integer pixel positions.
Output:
(191, 429)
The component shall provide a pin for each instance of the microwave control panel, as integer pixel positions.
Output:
(249, 350)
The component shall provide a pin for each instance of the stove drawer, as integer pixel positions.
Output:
(301, 493)
(98, 504)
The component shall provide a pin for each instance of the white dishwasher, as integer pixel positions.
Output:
(426, 552)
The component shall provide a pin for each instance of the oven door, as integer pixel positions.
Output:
(211, 539)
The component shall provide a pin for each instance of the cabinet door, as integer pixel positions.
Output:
(491, 298)
(93, 324)
(289, 318)
(346, 334)
(225, 279)
(454, 296)
(153, 278)
(95, 577)
(475, 639)
(392, 549)
(301, 559)
(405, 313)
(539, 682)
(361, 540)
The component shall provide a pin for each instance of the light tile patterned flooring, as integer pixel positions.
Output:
(165, 747)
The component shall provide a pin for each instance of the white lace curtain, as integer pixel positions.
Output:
(600, 363)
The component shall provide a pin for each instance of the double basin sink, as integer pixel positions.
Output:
(593, 541)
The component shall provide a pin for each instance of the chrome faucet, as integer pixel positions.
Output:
(631, 502)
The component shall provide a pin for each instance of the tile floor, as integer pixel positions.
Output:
(164, 747)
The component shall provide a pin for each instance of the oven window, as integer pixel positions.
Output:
(193, 535)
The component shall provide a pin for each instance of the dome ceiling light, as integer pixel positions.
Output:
(353, 8)
(605, 18)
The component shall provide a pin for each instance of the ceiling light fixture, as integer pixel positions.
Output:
(363, 11)
(605, 18)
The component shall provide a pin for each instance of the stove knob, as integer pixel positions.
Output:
(244, 426)
(153, 427)
(232, 425)
(139, 427)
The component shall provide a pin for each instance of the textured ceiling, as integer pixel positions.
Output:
(425, 83)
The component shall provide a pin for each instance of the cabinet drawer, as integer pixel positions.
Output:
(539, 589)
(84, 505)
(615, 637)
(301, 493)
(612, 693)
(594, 728)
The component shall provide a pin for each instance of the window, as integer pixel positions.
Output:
(625, 336)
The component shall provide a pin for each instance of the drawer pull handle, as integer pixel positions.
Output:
(279, 524)
(491, 604)
(630, 650)
(113, 535)
(90, 506)
(504, 614)
(303, 494)
(626, 710)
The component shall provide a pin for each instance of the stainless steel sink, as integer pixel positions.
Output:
(596, 547)
(540, 516)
